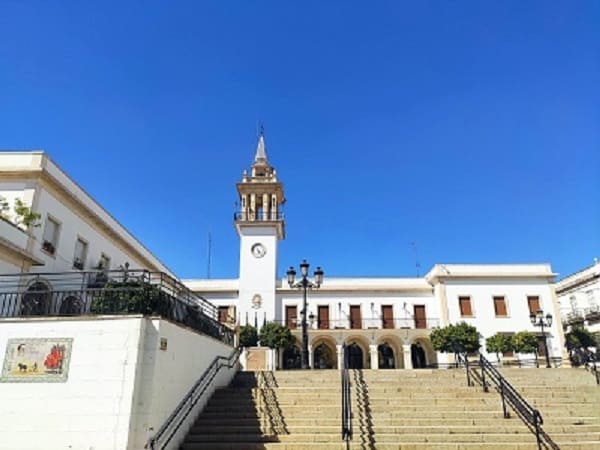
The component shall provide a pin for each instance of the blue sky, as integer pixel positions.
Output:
(470, 128)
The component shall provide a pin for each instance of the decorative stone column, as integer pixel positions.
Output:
(374, 356)
(407, 356)
(340, 356)
(310, 355)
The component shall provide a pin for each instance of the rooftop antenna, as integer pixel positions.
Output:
(208, 257)
(417, 263)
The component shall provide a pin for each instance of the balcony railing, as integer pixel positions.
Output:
(258, 216)
(365, 324)
(108, 293)
(591, 314)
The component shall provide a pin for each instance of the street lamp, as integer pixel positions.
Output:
(538, 320)
(304, 283)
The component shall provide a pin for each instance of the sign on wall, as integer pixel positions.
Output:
(37, 360)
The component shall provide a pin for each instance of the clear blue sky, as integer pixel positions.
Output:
(470, 128)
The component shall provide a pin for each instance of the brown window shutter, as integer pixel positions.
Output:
(465, 306)
(534, 304)
(291, 317)
(500, 306)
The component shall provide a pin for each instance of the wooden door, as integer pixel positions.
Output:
(387, 316)
(291, 317)
(323, 318)
(355, 318)
(420, 319)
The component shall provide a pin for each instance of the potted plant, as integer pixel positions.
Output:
(78, 264)
(48, 247)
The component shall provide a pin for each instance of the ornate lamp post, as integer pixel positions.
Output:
(304, 283)
(538, 320)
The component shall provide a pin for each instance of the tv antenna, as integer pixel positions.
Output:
(417, 263)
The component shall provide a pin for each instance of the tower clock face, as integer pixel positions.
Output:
(258, 250)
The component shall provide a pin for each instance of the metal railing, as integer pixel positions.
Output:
(173, 423)
(366, 324)
(510, 397)
(116, 292)
(258, 216)
(346, 400)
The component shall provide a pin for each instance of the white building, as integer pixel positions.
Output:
(579, 298)
(384, 321)
(74, 232)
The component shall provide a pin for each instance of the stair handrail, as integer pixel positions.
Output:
(172, 424)
(346, 400)
(528, 414)
(463, 360)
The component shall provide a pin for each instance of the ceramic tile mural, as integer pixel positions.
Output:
(37, 360)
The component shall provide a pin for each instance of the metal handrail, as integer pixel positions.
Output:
(530, 416)
(346, 401)
(172, 424)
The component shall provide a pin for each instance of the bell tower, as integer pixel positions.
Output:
(260, 225)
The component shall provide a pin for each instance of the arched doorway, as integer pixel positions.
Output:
(385, 356)
(355, 357)
(324, 357)
(36, 300)
(292, 358)
(417, 355)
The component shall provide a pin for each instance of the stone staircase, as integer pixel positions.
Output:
(394, 409)
(569, 401)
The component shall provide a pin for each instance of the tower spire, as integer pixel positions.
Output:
(261, 150)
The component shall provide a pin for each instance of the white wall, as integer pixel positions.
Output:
(88, 412)
(515, 293)
(165, 376)
(119, 383)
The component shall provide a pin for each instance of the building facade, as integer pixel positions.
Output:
(579, 298)
(385, 322)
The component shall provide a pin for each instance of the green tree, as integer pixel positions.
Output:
(525, 342)
(498, 343)
(122, 297)
(580, 338)
(3, 208)
(274, 335)
(248, 336)
(25, 216)
(455, 338)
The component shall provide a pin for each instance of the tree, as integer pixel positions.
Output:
(122, 297)
(274, 335)
(525, 342)
(577, 342)
(455, 338)
(25, 216)
(498, 343)
(248, 336)
(3, 208)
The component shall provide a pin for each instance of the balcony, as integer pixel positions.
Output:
(367, 324)
(118, 292)
(258, 216)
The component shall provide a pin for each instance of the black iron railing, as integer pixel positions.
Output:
(117, 292)
(346, 400)
(365, 323)
(177, 418)
(490, 376)
(258, 216)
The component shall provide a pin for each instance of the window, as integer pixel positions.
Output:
(80, 254)
(50, 237)
(465, 306)
(355, 317)
(387, 316)
(223, 314)
(533, 301)
(323, 318)
(104, 263)
(420, 317)
(500, 306)
(291, 317)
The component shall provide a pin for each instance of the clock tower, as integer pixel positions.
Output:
(260, 225)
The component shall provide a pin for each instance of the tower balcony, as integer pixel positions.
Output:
(260, 218)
